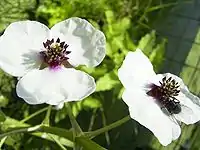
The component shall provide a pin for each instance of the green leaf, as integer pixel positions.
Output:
(91, 102)
(3, 101)
(158, 54)
(88, 144)
(109, 16)
(2, 116)
(154, 8)
(122, 25)
(107, 82)
(76, 108)
(147, 43)
(16, 10)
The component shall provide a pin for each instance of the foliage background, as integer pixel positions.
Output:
(127, 24)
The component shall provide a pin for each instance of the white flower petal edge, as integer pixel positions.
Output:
(19, 46)
(55, 86)
(190, 113)
(59, 106)
(144, 110)
(87, 44)
(135, 70)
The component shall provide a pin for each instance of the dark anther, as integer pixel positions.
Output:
(62, 44)
(48, 42)
(68, 52)
(66, 46)
(168, 80)
(173, 81)
(45, 45)
(52, 41)
(58, 40)
(164, 79)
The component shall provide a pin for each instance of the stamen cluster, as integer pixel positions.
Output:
(165, 95)
(55, 53)
(168, 89)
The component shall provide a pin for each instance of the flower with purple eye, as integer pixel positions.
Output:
(157, 101)
(44, 59)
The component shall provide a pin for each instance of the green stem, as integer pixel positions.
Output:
(20, 130)
(58, 131)
(104, 125)
(42, 128)
(92, 120)
(63, 141)
(34, 114)
(76, 128)
(46, 119)
(65, 136)
(107, 128)
(2, 141)
(73, 121)
(57, 142)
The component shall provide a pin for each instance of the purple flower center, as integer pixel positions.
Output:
(168, 88)
(55, 54)
(165, 95)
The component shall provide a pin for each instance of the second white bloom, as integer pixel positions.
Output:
(157, 101)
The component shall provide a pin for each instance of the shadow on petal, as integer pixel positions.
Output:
(31, 60)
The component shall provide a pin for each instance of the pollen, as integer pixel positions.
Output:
(55, 53)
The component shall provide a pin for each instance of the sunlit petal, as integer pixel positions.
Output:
(190, 113)
(55, 86)
(144, 110)
(135, 70)
(19, 46)
(87, 44)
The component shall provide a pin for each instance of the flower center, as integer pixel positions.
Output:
(165, 95)
(55, 54)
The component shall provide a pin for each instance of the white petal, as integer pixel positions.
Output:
(135, 70)
(19, 46)
(176, 130)
(59, 106)
(190, 112)
(87, 44)
(55, 86)
(190, 103)
(144, 110)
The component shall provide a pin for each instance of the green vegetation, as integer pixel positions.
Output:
(127, 24)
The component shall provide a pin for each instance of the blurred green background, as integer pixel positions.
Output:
(166, 30)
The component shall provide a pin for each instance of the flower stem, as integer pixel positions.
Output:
(34, 114)
(20, 130)
(57, 142)
(77, 131)
(74, 123)
(104, 125)
(42, 128)
(12, 126)
(2, 141)
(46, 119)
(107, 128)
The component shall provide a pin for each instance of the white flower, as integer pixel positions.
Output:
(157, 102)
(45, 58)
